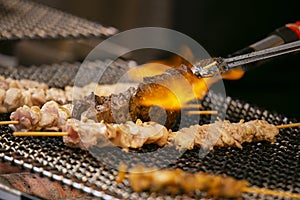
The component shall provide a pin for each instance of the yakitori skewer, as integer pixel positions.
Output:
(48, 133)
(170, 180)
(134, 135)
(17, 93)
(52, 115)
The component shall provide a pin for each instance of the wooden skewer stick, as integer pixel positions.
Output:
(191, 106)
(8, 122)
(265, 191)
(32, 133)
(202, 112)
(288, 125)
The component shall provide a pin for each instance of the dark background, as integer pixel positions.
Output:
(221, 27)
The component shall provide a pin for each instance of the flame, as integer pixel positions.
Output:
(234, 74)
(173, 94)
(146, 70)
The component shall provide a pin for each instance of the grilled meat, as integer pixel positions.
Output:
(177, 181)
(224, 133)
(135, 135)
(85, 133)
(17, 93)
(50, 117)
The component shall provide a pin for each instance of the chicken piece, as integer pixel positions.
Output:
(38, 97)
(13, 99)
(83, 134)
(57, 95)
(27, 97)
(4, 85)
(28, 118)
(2, 97)
(53, 116)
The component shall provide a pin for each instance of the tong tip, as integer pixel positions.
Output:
(209, 67)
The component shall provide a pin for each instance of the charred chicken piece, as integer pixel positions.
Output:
(130, 105)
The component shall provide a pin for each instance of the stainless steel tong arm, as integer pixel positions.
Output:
(219, 65)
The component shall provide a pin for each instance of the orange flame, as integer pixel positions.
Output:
(173, 93)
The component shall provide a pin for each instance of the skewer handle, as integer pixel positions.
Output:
(265, 191)
(8, 122)
(288, 125)
(202, 112)
(29, 133)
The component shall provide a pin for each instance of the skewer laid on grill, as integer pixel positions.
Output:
(170, 180)
(52, 115)
(86, 133)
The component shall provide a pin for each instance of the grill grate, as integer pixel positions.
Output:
(21, 19)
(272, 165)
(63, 74)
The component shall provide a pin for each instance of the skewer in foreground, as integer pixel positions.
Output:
(170, 181)
(83, 134)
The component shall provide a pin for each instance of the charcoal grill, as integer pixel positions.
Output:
(272, 165)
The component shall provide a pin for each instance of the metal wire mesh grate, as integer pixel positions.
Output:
(63, 74)
(272, 165)
(21, 19)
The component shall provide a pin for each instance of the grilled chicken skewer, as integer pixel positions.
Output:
(50, 117)
(7, 83)
(135, 135)
(17, 93)
(53, 116)
(171, 181)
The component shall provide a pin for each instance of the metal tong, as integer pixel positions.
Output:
(216, 66)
